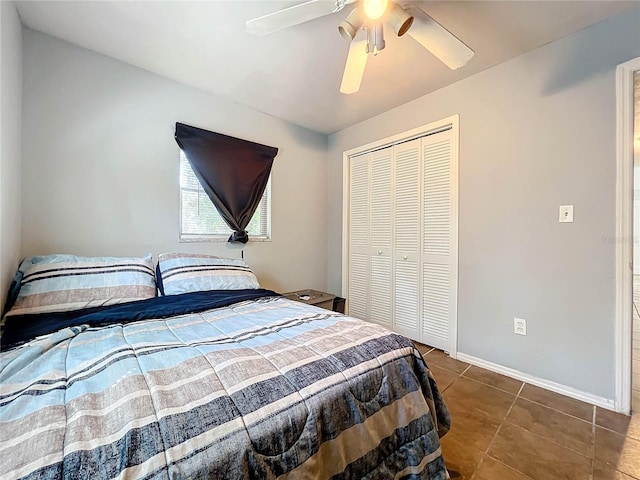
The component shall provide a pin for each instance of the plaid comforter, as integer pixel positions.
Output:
(261, 389)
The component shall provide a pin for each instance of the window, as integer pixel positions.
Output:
(199, 219)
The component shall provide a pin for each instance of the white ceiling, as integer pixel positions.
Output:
(295, 74)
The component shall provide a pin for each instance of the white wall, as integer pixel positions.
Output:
(10, 143)
(535, 133)
(100, 168)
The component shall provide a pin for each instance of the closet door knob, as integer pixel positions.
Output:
(379, 252)
(405, 257)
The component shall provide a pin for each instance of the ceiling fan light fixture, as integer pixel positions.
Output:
(374, 9)
(399, 19)
(349, 27)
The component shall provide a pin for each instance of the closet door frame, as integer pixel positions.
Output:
(448, 123)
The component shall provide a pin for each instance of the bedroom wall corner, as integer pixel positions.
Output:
(536, 132)
(10, 143)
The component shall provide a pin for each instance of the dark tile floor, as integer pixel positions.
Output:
(504, 429)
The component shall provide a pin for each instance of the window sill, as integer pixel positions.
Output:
(218, 238)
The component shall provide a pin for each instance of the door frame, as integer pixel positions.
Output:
(624, 233)
(453, 123)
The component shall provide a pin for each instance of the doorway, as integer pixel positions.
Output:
(627, 331)
(635, 340)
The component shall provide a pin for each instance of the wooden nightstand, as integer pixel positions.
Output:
(319, 299)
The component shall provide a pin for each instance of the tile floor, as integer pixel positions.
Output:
(504, 429)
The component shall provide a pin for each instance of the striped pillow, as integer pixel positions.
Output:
(61, 283)
(184, 272)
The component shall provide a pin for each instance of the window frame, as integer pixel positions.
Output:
(265, 204)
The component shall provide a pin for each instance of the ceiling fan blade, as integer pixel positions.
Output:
(293, 16)
(439, 41)
(354, 68)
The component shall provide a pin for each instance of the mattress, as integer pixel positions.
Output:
(228, 385)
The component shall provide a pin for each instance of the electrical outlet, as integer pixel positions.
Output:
(519, 326)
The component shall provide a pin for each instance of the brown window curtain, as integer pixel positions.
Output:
(232, 171)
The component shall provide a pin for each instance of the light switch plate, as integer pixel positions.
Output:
(566, 214)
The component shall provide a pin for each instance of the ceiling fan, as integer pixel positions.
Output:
(370, 16)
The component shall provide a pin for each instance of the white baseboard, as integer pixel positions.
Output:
(539, 382)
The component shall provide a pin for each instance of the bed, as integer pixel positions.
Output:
(235, 383)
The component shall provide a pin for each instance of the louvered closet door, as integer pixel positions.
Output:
(358, 294)
(407, 237)
(380, 219)
(438, 274)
